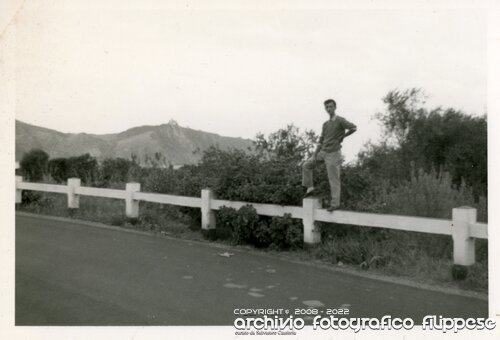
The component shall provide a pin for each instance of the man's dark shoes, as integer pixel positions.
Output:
(311, 193)
(332, 208)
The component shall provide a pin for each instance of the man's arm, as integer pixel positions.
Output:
(350, 132)
(349, 127)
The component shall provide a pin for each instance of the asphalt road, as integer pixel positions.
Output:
(73, 274)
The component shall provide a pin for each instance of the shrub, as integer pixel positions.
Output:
(115, 170)
(286, 232)
(225, 218)
(34, 165)
(159, 180)
(58, 169)
(244, 226)
(83, 167)
(30, 197)
(426, 194)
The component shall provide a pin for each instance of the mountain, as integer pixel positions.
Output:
(176, 144)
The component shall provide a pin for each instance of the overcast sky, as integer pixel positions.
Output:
(109, 66)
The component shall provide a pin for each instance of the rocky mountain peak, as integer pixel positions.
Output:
(178, 145)
(173, 122)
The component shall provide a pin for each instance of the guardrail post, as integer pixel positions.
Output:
(73, 198)
(311, 232)
(131, 205)
(19, 192)
(463, 245)
(207, 214)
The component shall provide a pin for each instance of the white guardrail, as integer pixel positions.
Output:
(463, 227)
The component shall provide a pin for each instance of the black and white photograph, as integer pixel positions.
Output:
(234, 169)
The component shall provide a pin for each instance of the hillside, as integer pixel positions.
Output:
(177, 144)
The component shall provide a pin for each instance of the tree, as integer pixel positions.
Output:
(272, 174)
(83, 167)
(414, 137)
(454, 142)
(34, 165)
(116, 170)
(58, 169)
(288, 143)
(402, 110)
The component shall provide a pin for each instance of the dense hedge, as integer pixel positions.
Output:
(244, 226)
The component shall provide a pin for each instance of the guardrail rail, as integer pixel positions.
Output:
(463, 227)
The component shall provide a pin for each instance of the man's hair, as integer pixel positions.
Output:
(328, 101)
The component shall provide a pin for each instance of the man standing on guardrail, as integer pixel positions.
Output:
(328, 151)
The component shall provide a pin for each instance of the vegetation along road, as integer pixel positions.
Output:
(69, 273)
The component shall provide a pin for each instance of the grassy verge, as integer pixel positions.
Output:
(155, 218)
(420, 257)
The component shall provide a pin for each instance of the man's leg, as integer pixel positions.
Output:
(307, 174)
(307, 171)
(333, 162)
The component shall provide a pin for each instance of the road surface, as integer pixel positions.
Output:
(76, 274)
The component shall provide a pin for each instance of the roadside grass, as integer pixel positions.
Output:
(155, 218)
(419, 257)
(416, 256)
